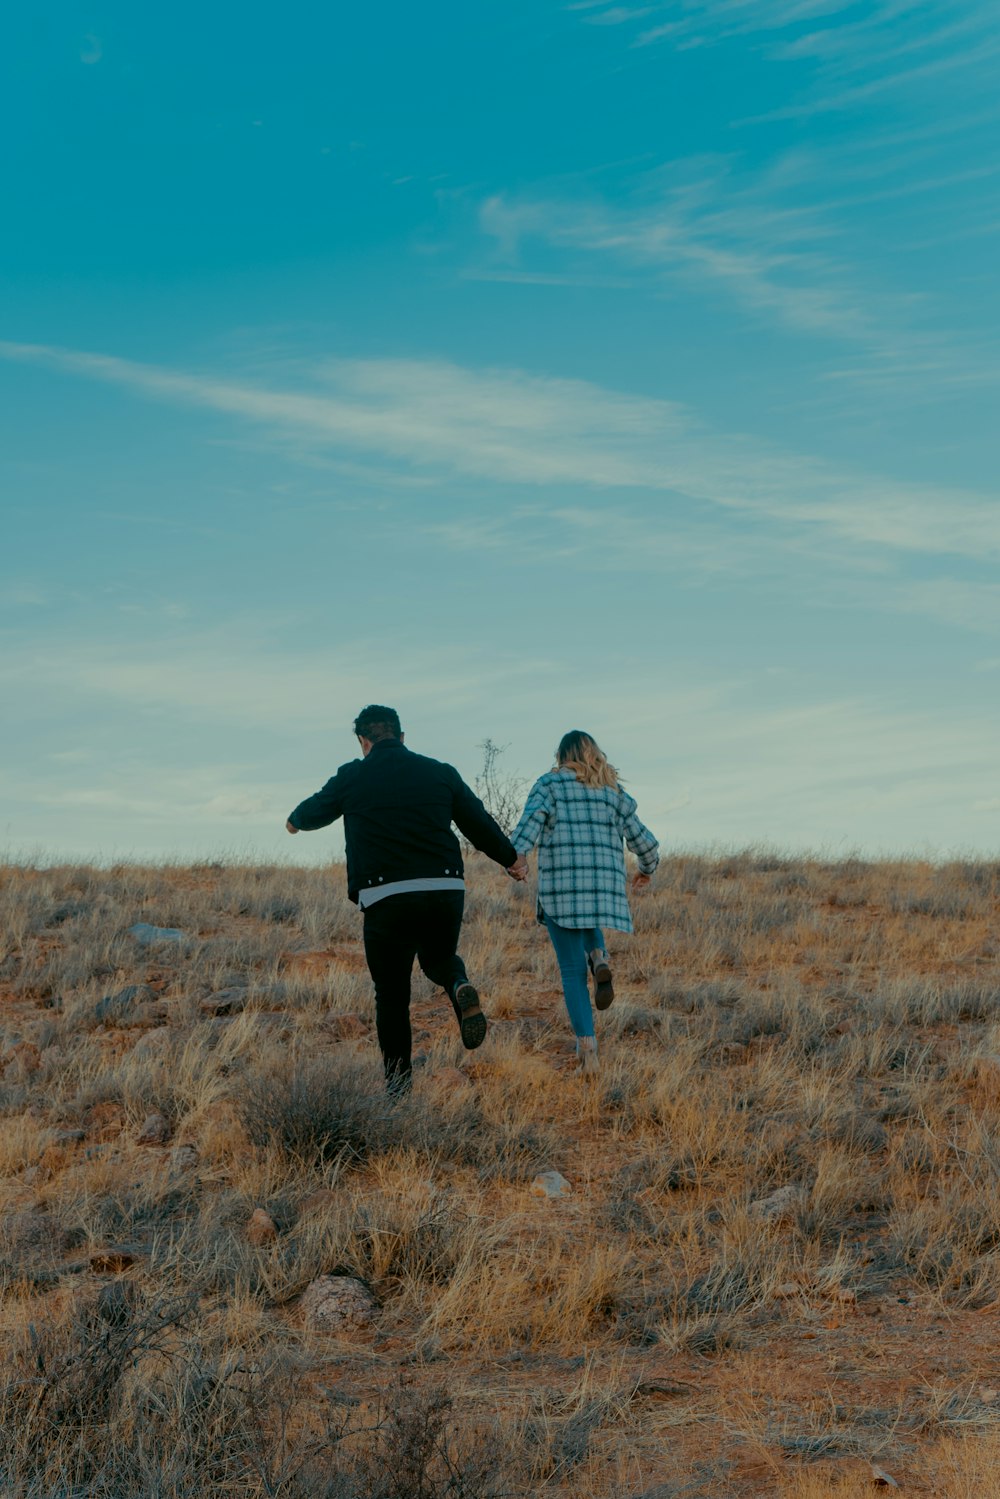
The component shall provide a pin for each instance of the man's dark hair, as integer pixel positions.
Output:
(377, 722)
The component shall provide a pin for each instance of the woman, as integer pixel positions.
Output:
(579, 815)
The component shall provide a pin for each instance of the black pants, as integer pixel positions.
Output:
(421, 925)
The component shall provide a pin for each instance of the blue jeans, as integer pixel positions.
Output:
(572, 945)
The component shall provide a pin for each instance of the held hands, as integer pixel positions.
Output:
(519, 869)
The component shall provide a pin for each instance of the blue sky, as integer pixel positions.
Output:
(625, 367)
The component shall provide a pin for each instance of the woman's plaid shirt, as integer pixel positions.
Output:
(581, 862)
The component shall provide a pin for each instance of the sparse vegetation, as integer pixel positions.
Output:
(779, 1264)
(500, 791)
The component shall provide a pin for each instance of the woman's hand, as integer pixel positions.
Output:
(519, 869)
(640, 881)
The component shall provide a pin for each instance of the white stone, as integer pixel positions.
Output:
(550, 1184)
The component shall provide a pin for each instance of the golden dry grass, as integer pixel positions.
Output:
(829, 1028)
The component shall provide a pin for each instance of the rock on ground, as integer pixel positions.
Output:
(145, 1017)
(338, 1304)
(118, 1008)
(152, 1042)
(149, 936)
(225, 1002)
(155, 1131)
(550, 1184)
(261, 1228)
(779, 1205)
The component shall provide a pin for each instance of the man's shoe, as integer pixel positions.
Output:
(604, 989)
(472, 1021)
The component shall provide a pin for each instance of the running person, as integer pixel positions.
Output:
(579, 817)
(404, 869)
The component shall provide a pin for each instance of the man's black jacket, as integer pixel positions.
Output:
(398, 809)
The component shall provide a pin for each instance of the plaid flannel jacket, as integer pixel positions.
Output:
(581, 862)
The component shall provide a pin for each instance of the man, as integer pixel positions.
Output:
(404, 869)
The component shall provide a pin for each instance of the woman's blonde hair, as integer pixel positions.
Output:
(583, 755)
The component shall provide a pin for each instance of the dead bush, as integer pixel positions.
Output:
(320, 1108)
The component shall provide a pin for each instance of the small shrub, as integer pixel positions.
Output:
(316, 1109)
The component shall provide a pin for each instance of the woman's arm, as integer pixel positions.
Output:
(538, 812)
(641, 842)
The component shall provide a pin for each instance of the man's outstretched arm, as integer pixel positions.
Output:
(320, 810)
(483, 831)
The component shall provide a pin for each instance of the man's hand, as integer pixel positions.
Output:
(640, 881)
(519, 869)
(291, 826)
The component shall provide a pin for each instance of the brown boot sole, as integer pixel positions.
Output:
(473, 1022)
(604, 991)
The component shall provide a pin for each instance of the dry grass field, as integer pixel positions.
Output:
(777, 1271)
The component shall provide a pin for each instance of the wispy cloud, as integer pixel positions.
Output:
(974, 56)
(807, 243)
(506, 425)
(698, 224)
(177, 797)
(617, 15)
(235, 675)
(543, 278)
(495, 423)
(830, 32)
(807, 569)
(153, 810)
(844, 57)
(954, 601)
(19, 594)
